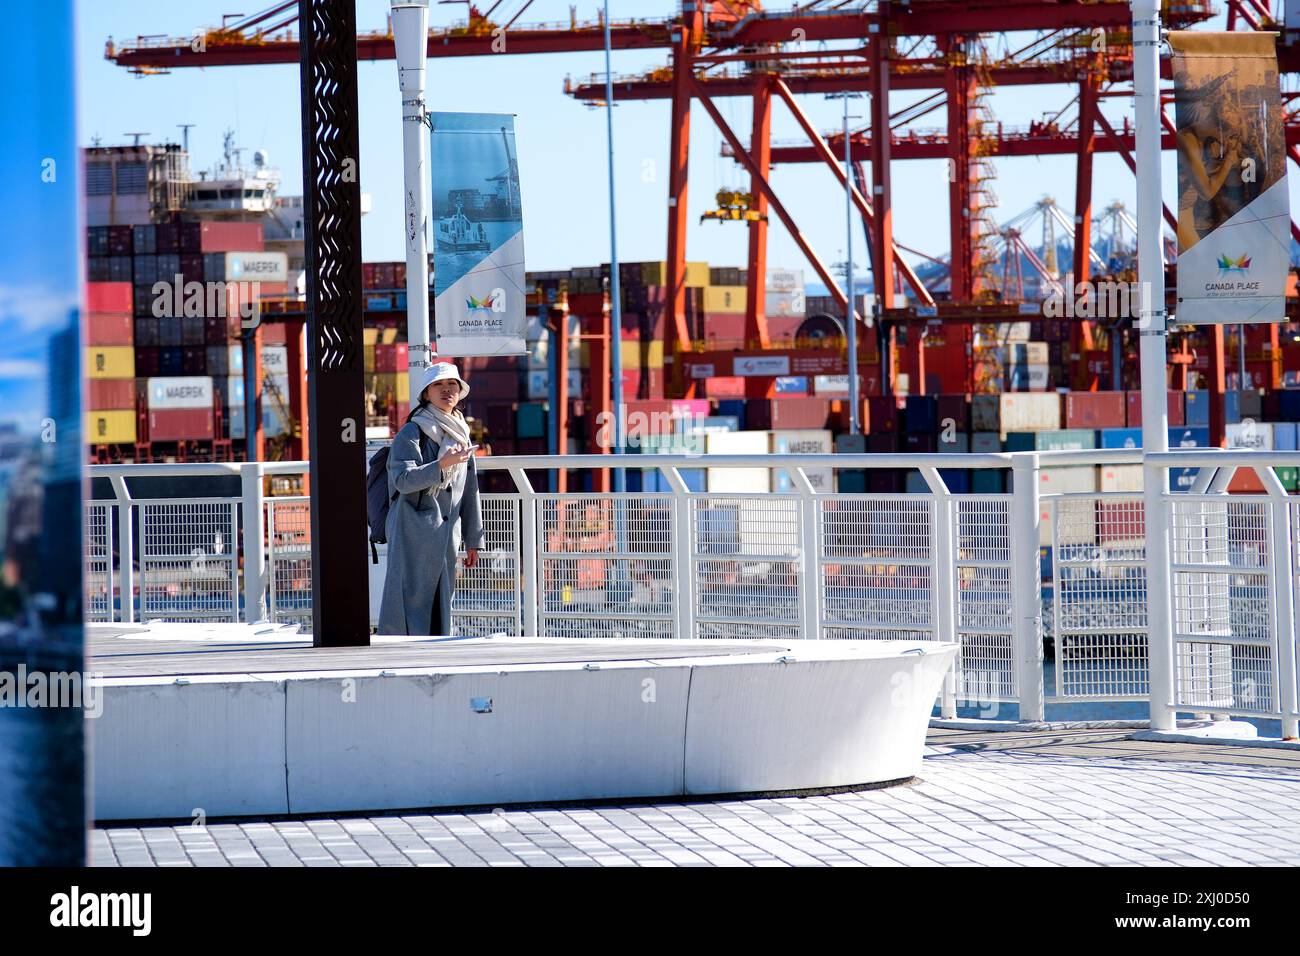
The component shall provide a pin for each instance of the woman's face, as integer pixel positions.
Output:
(444, 394)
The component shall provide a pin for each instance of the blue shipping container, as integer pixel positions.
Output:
(1197, 405)
(1122, 437)
(1284, 436)
(791, 385)
(920, 413)
(957, 480)
(1290, 401)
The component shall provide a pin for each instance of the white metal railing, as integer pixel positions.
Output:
(796, 565)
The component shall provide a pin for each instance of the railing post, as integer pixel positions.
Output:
(125, 551)
(250, 479)
(943, 580)
(1283, 599)
(528, 567)
(809, 565)
(1026, 593)
(683, 573)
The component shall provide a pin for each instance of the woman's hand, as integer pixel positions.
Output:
(471, 557)
(455, 455)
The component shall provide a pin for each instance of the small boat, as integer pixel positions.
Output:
(456, 233)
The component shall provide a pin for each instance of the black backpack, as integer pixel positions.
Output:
(378, 500)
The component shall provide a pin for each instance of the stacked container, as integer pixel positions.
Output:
(110, 365)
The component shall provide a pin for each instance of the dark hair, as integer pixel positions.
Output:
(424, 403)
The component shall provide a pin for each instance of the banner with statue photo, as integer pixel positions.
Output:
(477, 236)
(1234, 218)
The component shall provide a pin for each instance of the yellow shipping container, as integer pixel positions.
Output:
(384, 384)
(656, 273)
(369, 360)
(110, 361)
(115, 427)
(369, 337)
(651, 352)
(728, 299)
(402, 384)
(388, 336)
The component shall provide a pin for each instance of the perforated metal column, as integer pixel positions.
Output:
(332, 207)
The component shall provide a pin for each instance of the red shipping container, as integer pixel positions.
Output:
(391, 357)
(491, 363)
(180, 424)
(216, 236)
(1096, 410)
(799, 413)
(500, 419)
(724, 327)
(275, 333)
(110, 328)
(370, 275)
(956, 408)
(119, 241)
(1133, 410)
(147, 362)
(501, 446)
(108, 297)
(531, 446)
(488, 385)
(782, 328)
(399, 275)
(726, 386)
(167, 237)
(104, 394)
(880, 414)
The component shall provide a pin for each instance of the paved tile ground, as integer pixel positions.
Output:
(982, 800)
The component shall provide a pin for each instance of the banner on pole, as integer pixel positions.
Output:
(1234, 219)
(478, 237)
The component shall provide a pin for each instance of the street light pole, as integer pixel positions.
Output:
(410, 40)
(1152, 326)
(850, 312)
(615, 295)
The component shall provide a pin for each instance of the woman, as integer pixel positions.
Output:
(431, 469)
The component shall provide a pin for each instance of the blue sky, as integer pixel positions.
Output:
(561, 142)
(38, 250)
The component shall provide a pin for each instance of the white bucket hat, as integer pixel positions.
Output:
(439, 372)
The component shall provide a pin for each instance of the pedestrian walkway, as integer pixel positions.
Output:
(1011, 799)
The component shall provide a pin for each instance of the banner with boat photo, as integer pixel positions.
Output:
(478, 235)
(1234, 217)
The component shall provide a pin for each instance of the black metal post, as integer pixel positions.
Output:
(335, 384)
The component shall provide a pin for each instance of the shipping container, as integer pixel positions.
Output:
(803, 442)
(738, 479)
(722, 299)
(110, 427)
(530, 420)
(1064, 439)
(217, 236)
(103, 394)
(1197, 408)
(1096, 410)
(180, 424)
(1249, 436)
(1026, 412)
(1081, 529)
(987, 481)
(1119, 478)
(1120, 438)
(180, 392)
(391, 357)
(882, 414)
(1284, 436)
(952, 443)
(194, 360)
(110, 361)
(108, 297)
(983, 443)
(110, 328)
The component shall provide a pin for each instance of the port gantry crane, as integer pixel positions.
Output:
(739, 48)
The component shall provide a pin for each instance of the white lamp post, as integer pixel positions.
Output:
(410, 38)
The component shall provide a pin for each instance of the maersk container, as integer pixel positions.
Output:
(1028, 412)
(192, 391)
(1065, 439)
(1250, 436)
(809, 441)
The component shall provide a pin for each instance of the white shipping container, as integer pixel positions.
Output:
(257, 266)
(1119, 478)
(191, 391)
(784, 280)
(830, 385)
(1250, 436)
(785, 303)
(1081, 528)
(275, 360)
(804, 441)
(738, 479)
(1029, 412)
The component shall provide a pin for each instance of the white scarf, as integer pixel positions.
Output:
(445, 430)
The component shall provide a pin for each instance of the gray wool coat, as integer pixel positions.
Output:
(422, 543)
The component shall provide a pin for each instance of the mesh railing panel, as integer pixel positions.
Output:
(487, 598)
(746, 558)
(97, 532)
(605, 563)
(1099, 597)
(188, 560)
(288, 553)
(986, 668)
